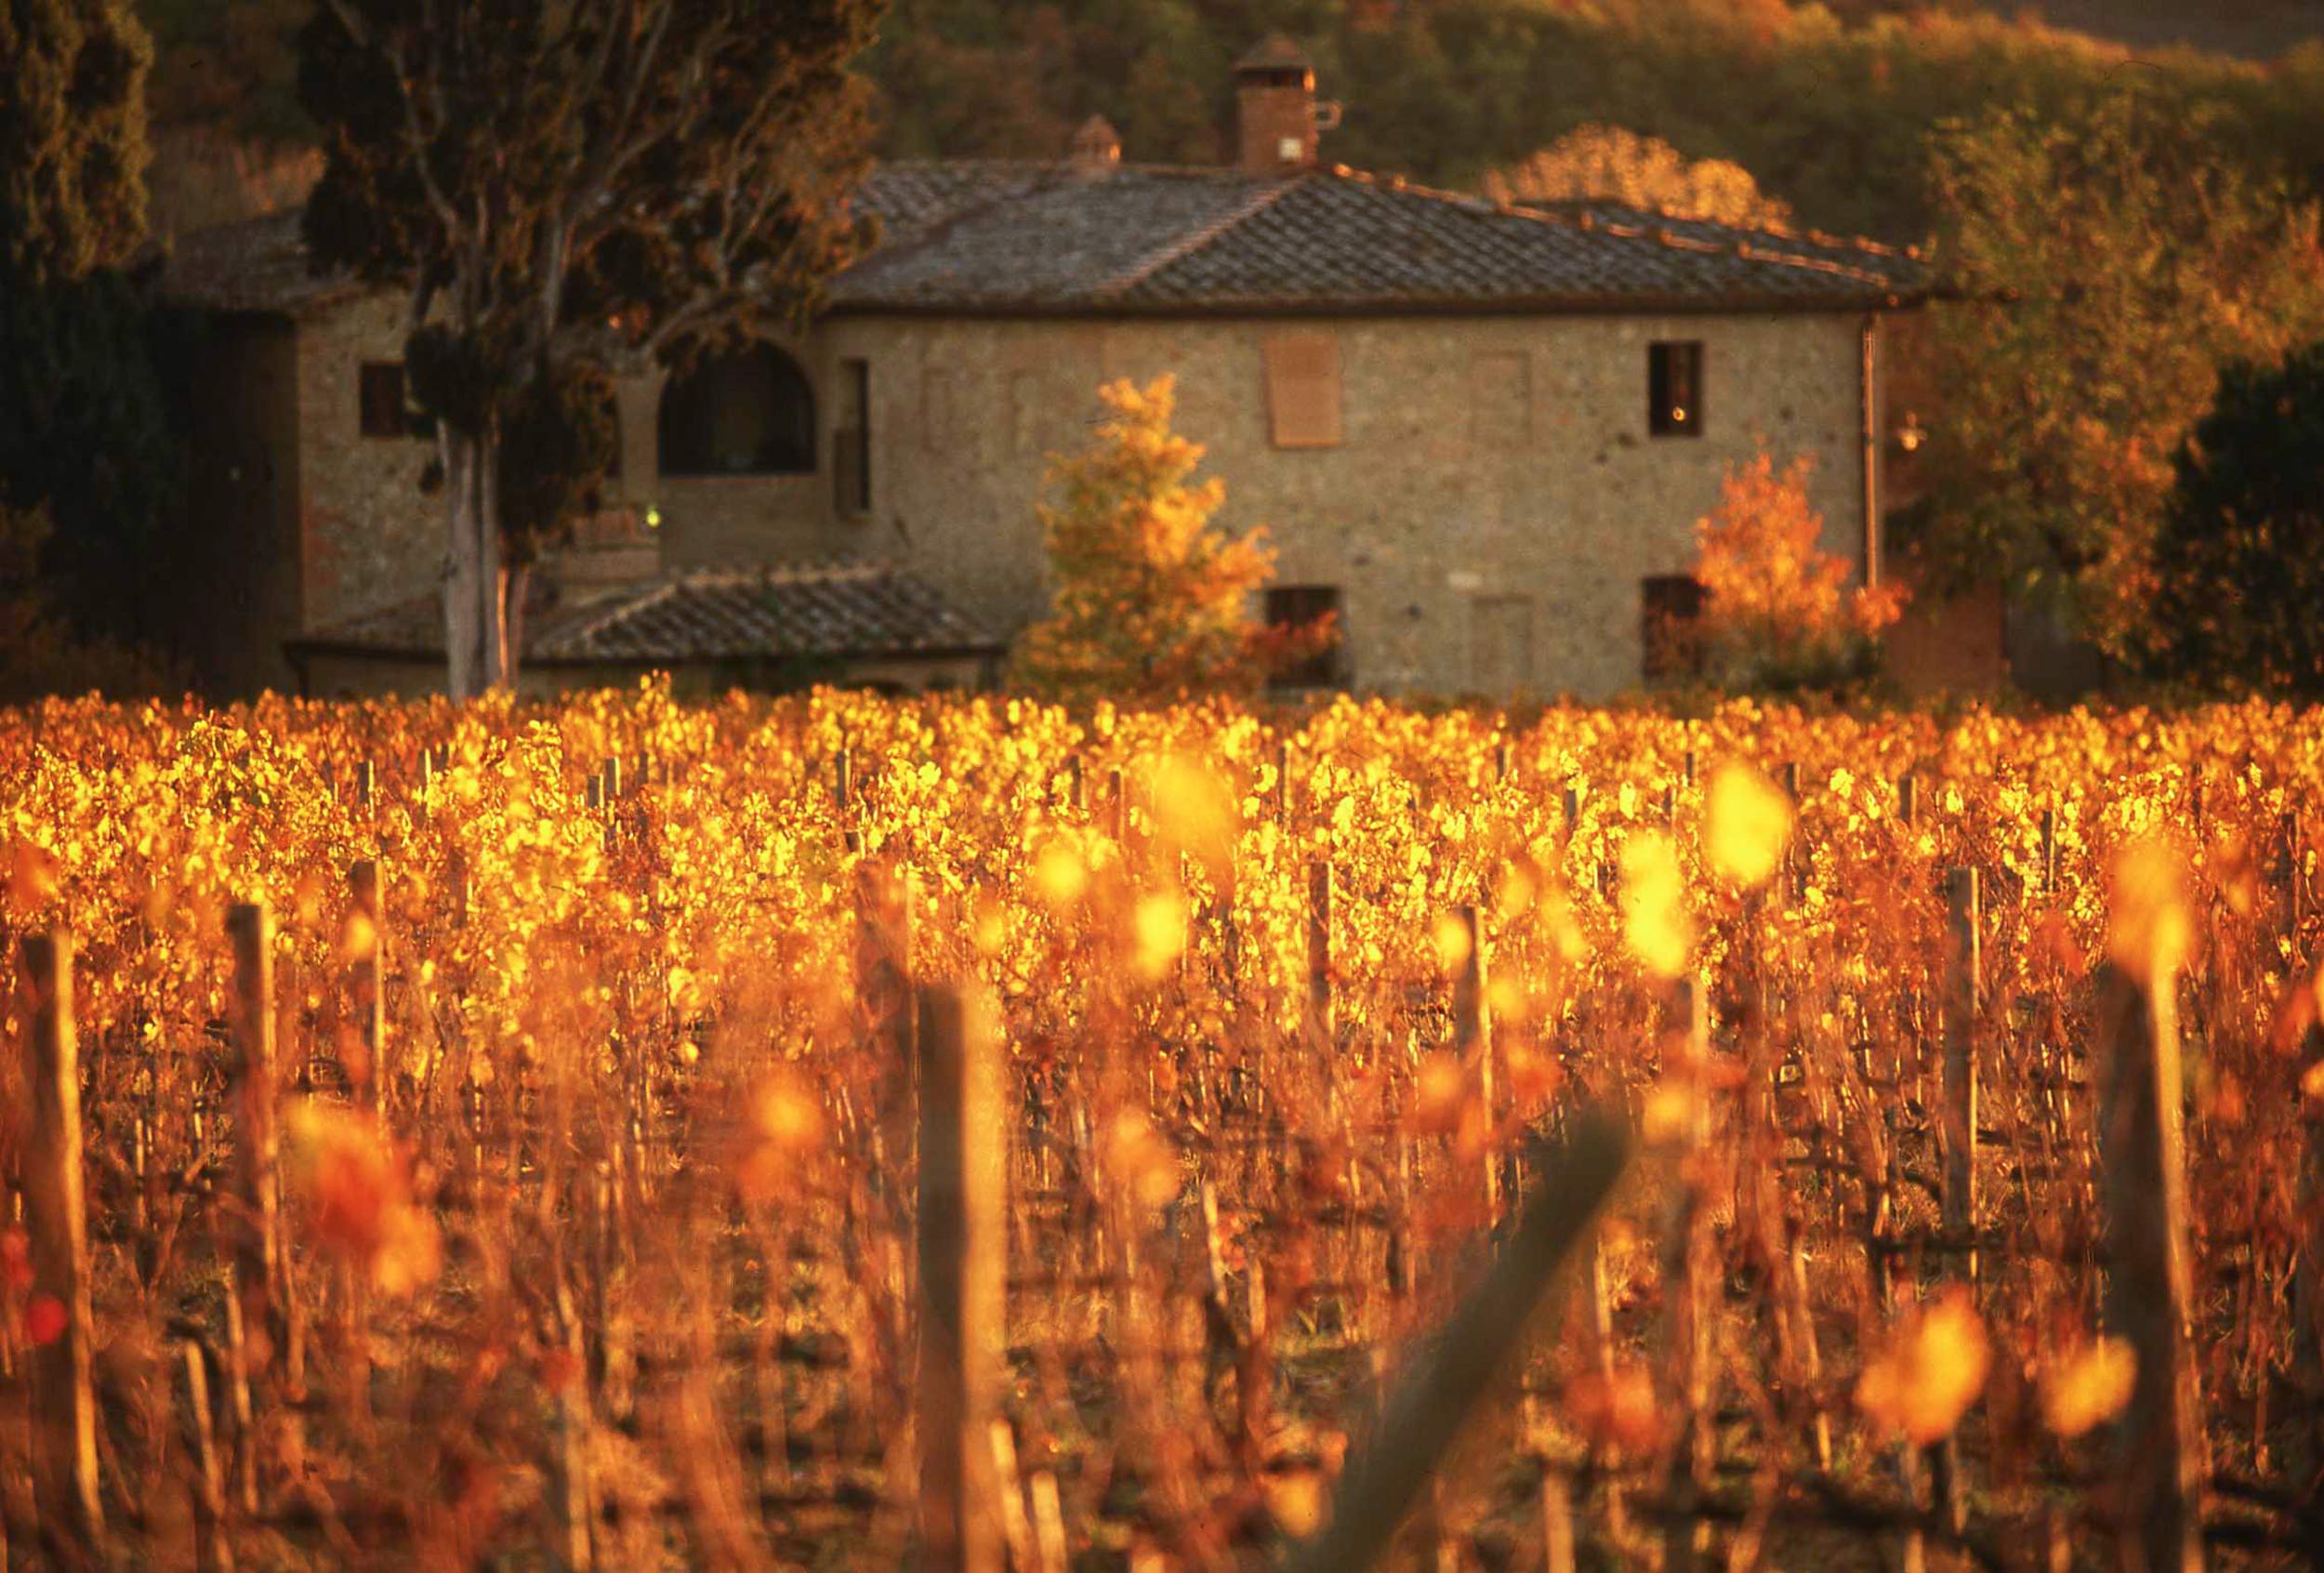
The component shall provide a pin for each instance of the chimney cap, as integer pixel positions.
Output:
(1096, 143)
(1275, 52)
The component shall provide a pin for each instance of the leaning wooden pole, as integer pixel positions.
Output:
(963, 1262)
(2141, 1147)
(1464, 1366)
(63, 1404)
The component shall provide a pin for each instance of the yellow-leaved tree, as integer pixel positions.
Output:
(1778, 608)
(1608, 164)
(1150, 601)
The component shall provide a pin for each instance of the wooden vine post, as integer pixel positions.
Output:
(214, 1553)
(963, 1239)
(1321, 1025)
(1963, 990)
(2295, 878)
(1473, 1040)
(63, 1404)
(2141, 1147)
(2307, 1284)
(261, 1315)
(1689, 1261)
(368, 1081)
(886, 1013)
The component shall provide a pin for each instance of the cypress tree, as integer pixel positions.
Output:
(590, 181)
(72, 151)
(83, 436)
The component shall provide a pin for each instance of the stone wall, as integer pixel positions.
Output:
(1488, 516)
(718, 521)
(369, 536)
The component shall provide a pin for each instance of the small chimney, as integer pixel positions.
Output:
(1097, 146)
(1274, 98)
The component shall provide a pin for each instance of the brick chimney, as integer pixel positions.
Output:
(1097, 147)
(1274, 99)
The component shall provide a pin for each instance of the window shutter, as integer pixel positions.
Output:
(379, 399)
(1303, 390)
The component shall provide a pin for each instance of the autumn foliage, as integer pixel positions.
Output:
(1150, 601)
(1779, 610)
(1608, 164)
(621, 1212)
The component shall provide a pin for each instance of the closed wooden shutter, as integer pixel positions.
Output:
(379, 394)
(1303, 390)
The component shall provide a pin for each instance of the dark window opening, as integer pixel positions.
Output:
(850, 442)
(745, 412)
(1674, 389)
(379, 393)
(1671, 627)
(1290, 607)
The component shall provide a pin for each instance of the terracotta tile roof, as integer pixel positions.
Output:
(838, 610)
(253, 265)
(1000, 236)
(1044, 240)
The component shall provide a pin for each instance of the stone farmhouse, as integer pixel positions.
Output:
(1481, 433)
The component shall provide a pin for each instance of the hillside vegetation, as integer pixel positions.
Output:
(1830, 115)
(1828, 108)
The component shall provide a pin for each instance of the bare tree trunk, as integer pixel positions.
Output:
(463, 565)
(499, 668)
(478, 590)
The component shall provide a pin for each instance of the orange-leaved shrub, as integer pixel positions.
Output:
(1779, 611)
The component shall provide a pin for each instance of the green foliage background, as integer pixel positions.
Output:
(1831, 114)
(2240, 554)
(1828, 107)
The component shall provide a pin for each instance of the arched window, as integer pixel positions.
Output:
(748, 411)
